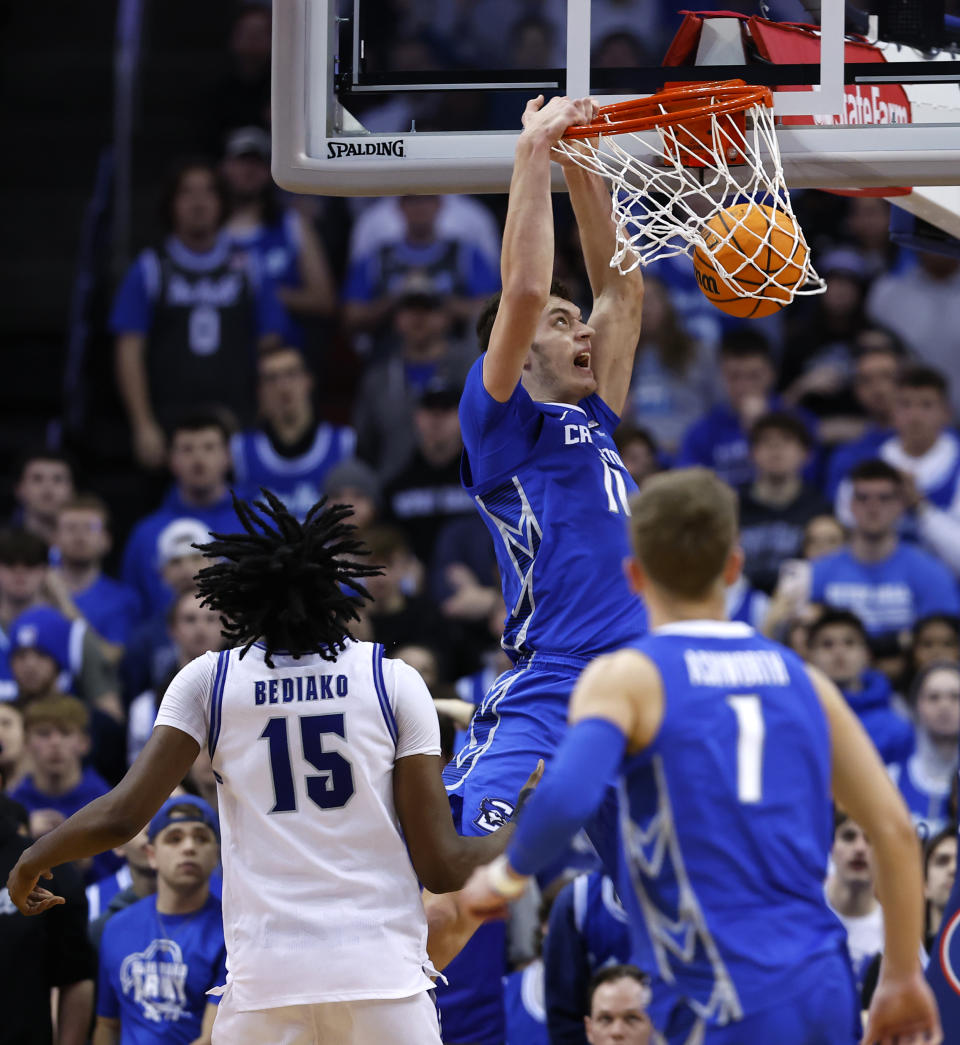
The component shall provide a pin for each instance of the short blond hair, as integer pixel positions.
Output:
(59, 710)
(683, 527)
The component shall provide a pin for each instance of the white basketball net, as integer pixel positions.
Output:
(661, 206)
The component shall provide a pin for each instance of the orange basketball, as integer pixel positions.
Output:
(749, 243)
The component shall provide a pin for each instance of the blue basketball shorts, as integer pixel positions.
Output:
(523, 717)
(822, 1008)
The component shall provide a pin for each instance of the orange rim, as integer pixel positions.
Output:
(673, 105)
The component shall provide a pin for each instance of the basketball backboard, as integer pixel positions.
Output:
(430, 100)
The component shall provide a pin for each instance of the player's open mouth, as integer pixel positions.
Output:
(582, 359)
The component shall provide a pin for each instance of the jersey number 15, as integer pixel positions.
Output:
(332, 787)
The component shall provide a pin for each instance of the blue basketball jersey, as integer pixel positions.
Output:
(588, 929)
(103, 891)
(524, 1006)
(726, 824)
(8, 685)
(276, 250)
(470, 999)
(297, 481)
(276, 247)
(600, 920)
(552, 491)
(928, 800)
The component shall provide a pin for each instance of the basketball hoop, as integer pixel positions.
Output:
(714, 166)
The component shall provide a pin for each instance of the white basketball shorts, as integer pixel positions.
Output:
(373, 1021)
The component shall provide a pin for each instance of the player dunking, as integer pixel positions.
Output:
(537, 415)
(323, 753)
(725, 747)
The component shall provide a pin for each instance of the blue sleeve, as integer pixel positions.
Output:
(132, 553)
(837, 468)
(132, 308)
(818, 581)
(566, 974)
(116, 626)
(936, 590)
(134, 667)
(497, 436)
(598, 410)
(574, 787)
(358, 285)
(482, 278)
(138, 563)
(108, 1004)
(464, 540)
(127, 619)
(238, 455)
(695, 447)
(271, 315)
(903, 740)
(290, 277)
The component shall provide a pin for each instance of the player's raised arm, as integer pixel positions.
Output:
(106, 822)
(617, 299)
(903, 1003)
(526, 260)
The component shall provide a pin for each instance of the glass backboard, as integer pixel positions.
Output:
(428, 98)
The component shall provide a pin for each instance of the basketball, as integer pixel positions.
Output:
(759, 249)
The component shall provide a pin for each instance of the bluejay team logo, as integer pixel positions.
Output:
(950, 953)
(156, 979)
(494, 814)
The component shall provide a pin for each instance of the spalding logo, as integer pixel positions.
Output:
(337, 150)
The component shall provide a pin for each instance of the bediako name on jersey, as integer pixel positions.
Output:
(297, 689)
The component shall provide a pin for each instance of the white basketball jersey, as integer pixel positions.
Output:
(320, 900)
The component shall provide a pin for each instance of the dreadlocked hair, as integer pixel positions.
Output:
(289, 584)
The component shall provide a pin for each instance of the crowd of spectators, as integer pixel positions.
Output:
(835, 420)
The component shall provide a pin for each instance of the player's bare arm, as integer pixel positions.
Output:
(106, 1032)
(617, 299)
(450, 922)
(625, 689)
(449, 926)
(526, 260)
(442, 859)
(106, 822)
(903, 1003)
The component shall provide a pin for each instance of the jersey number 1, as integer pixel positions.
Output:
(750, 736)
(333, 785)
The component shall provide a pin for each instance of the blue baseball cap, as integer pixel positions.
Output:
(46, 630)
(165, 815)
